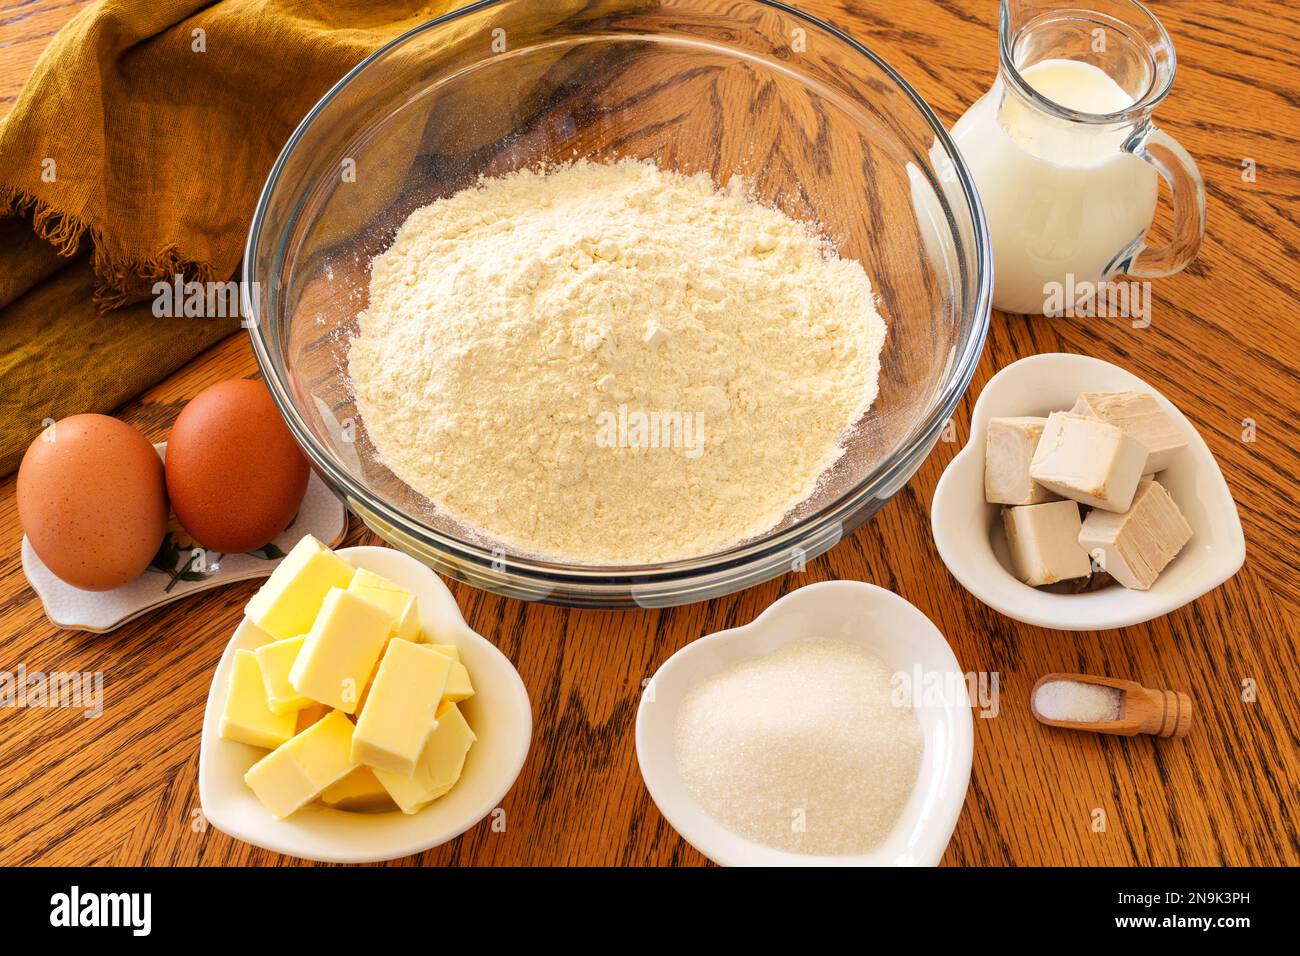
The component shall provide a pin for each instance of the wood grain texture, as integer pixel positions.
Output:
(1222, 345)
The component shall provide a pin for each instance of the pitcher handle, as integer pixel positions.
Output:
(1187, 189)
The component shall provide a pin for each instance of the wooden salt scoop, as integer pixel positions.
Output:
(1142, 710)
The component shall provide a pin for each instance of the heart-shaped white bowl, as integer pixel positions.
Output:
(967, 530)
(499, 714)
(881, 623)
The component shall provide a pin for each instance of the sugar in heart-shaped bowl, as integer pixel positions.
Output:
(878, 621)
(967, 530)
(499, 714)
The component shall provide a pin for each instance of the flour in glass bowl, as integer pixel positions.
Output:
(612, 364)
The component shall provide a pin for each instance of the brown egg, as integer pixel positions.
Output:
(92, 501)
(235, 475)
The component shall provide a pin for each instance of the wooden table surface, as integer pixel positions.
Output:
(1223, 346)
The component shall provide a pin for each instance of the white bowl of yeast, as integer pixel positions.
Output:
(968, 531)
(881, 623)
(498, 713)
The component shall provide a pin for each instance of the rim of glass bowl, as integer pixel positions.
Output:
(670, 582)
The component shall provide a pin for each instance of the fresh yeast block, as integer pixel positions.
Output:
(440, 765)
(275, 661)
(287, 603)
(297, 772)
(401, 708)
(1089, 461)
(1136, 546)
(1008, 449)
(247, 716)
(1139, 415)
(340, 650)
(397, 601)
(1044, 542)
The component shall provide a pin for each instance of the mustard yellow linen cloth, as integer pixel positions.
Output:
(137, 151)
(152, 124)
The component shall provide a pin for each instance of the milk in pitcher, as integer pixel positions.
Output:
(1059, 197)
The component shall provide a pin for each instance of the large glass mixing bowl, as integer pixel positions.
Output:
(818, 125)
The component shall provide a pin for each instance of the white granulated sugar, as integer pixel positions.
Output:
(1077, 701)
(533, 344)
(803, 750)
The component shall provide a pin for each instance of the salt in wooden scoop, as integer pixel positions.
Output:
(1106, 705)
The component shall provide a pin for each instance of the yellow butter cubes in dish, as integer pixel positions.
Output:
(341, 650)
(357, 712)
(247, 716)
(458, 684)
(287, 603)
(440, 765)
(360, 790)
(309, 715)
(250, 635)
(296, 773)
(400, 709)
(397, 602)
(275, 660)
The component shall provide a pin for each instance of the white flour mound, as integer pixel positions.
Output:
(543, 353)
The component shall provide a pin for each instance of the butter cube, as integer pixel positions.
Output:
(1136, 546)
(287, 603)
(401, 708)
(370, 682)
(440, 766)
(458, 684)
(309, 715)
(397, 601)
(1008, 448)
(249, 635)
(247, 716)
(1044, 541)
(275, 660)
(1138, 415)
(1089, 461)
(340, 650)
(296, 773)
(360, 791)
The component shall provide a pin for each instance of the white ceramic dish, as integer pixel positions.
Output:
(321, 515)
(499, 713)
(967, 531)
(882, 623)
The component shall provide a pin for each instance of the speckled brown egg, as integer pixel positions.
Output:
(235, 475)
(92, 501)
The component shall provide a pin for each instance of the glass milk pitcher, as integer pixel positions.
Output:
(1066, 158)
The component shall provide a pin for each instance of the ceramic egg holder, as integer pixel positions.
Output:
(187, 569)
